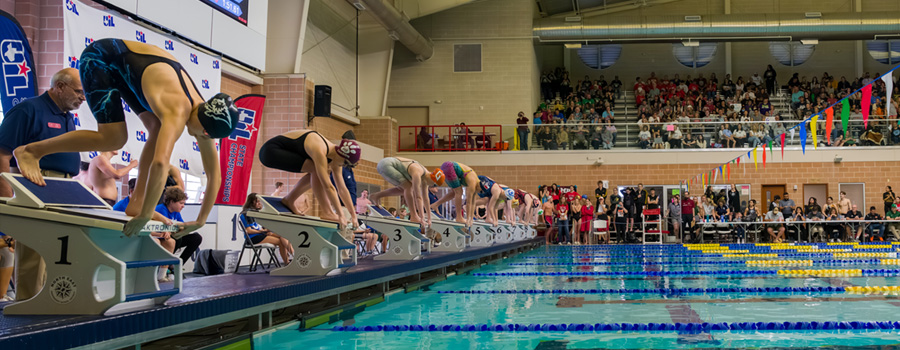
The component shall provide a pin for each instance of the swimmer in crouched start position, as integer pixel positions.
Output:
(308, 152)
(163, 95)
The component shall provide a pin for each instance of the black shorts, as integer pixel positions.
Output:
(255, 239)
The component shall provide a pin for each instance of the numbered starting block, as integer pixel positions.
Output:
(319, 247)
(406, 243)
(92, 267)
(525, 231)
(483, 235)
(454, 234)
(505, 233)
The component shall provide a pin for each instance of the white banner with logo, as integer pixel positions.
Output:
(84, 24)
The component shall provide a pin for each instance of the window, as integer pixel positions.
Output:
(694, 56)
(600, 56)
(791, 53)
(467, 58)
(884, 51)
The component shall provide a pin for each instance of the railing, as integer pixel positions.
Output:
(431, 138)
(575, 136)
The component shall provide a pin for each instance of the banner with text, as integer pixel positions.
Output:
(19, 81)
(236, 156)
(84, 24)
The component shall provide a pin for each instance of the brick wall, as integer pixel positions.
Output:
(380, 132)
(875, 175)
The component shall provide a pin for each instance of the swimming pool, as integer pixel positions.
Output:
(670, 296)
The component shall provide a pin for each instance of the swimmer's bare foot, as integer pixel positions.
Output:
(292, 206)
(28, 165)
(460, 220)
(331, 217)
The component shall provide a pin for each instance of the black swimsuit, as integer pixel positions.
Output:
(110, 71)
(284, 153)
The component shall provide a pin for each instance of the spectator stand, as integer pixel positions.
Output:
(450, 138)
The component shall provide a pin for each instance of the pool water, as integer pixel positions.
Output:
(626, 297)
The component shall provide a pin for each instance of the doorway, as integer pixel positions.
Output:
(409, 116)
(820, 191)
(857, 194)
(769, 192)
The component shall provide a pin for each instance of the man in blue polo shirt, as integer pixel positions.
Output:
(36, 119)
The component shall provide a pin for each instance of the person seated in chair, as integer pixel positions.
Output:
(260, 235)
(173, 203)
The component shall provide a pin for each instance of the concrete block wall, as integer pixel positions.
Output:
(507, 83)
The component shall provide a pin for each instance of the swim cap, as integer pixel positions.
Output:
(349, 150)
(510, 193)
(218, 116)
(437, 176)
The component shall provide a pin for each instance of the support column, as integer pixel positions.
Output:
(858, 55)
(728, 44)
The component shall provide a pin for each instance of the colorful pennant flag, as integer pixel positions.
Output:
(845, 115)
(764, 157)
(771, 146)
(755, 165)
(728, 168)
(802, 128)
(829, 122)
(812, 127)
(782, 146)
(866, 103)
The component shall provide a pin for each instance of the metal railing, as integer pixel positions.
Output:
(573, 136)
(430, 138)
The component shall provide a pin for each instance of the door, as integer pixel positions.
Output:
(857, 194)
(409, 116)
(819, 191)
(769, 192)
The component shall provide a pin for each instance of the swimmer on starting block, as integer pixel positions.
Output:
(456, 176)
(102, 176)
(308, 152)
(163, 95)
(495, 195)
(528, 206)
(411, 180)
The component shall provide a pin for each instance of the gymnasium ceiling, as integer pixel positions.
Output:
(549, 8)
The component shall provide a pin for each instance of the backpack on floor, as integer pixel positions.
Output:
(210, 262)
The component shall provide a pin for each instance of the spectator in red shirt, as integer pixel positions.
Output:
(572, 195)
(687, 215)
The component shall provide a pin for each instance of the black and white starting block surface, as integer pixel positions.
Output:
(454, 234)
(92, 267)
(319, 247)
(406, 243)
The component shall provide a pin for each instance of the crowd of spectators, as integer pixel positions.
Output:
(569, 215)
(706, 112)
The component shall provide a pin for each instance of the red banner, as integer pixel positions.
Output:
(236, 151)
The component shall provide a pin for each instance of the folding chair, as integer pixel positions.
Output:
(256, 248)
(601, 227)
(723, 232)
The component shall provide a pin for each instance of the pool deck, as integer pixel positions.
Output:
(210, 300)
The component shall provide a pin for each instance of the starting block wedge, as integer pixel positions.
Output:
(92, 267)
(406, 243)
(454, 234)
(483, 235)
(319, 247)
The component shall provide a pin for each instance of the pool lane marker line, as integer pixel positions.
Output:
(695, 327)
(786, 273)
(790, 262)
(571, 302)
(669, 291)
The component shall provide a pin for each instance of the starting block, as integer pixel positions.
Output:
(483, 235)
(318, 244)
(455, 236)
(92, 266)
(504, 233)
(406, 243)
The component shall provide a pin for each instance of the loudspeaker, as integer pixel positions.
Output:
(322, 101)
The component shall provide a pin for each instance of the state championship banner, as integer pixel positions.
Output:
(84, 24)
(19, 82)
(237, 150)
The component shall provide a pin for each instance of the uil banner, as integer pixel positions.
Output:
(84, 24)
(19, 80)
(237, 150)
